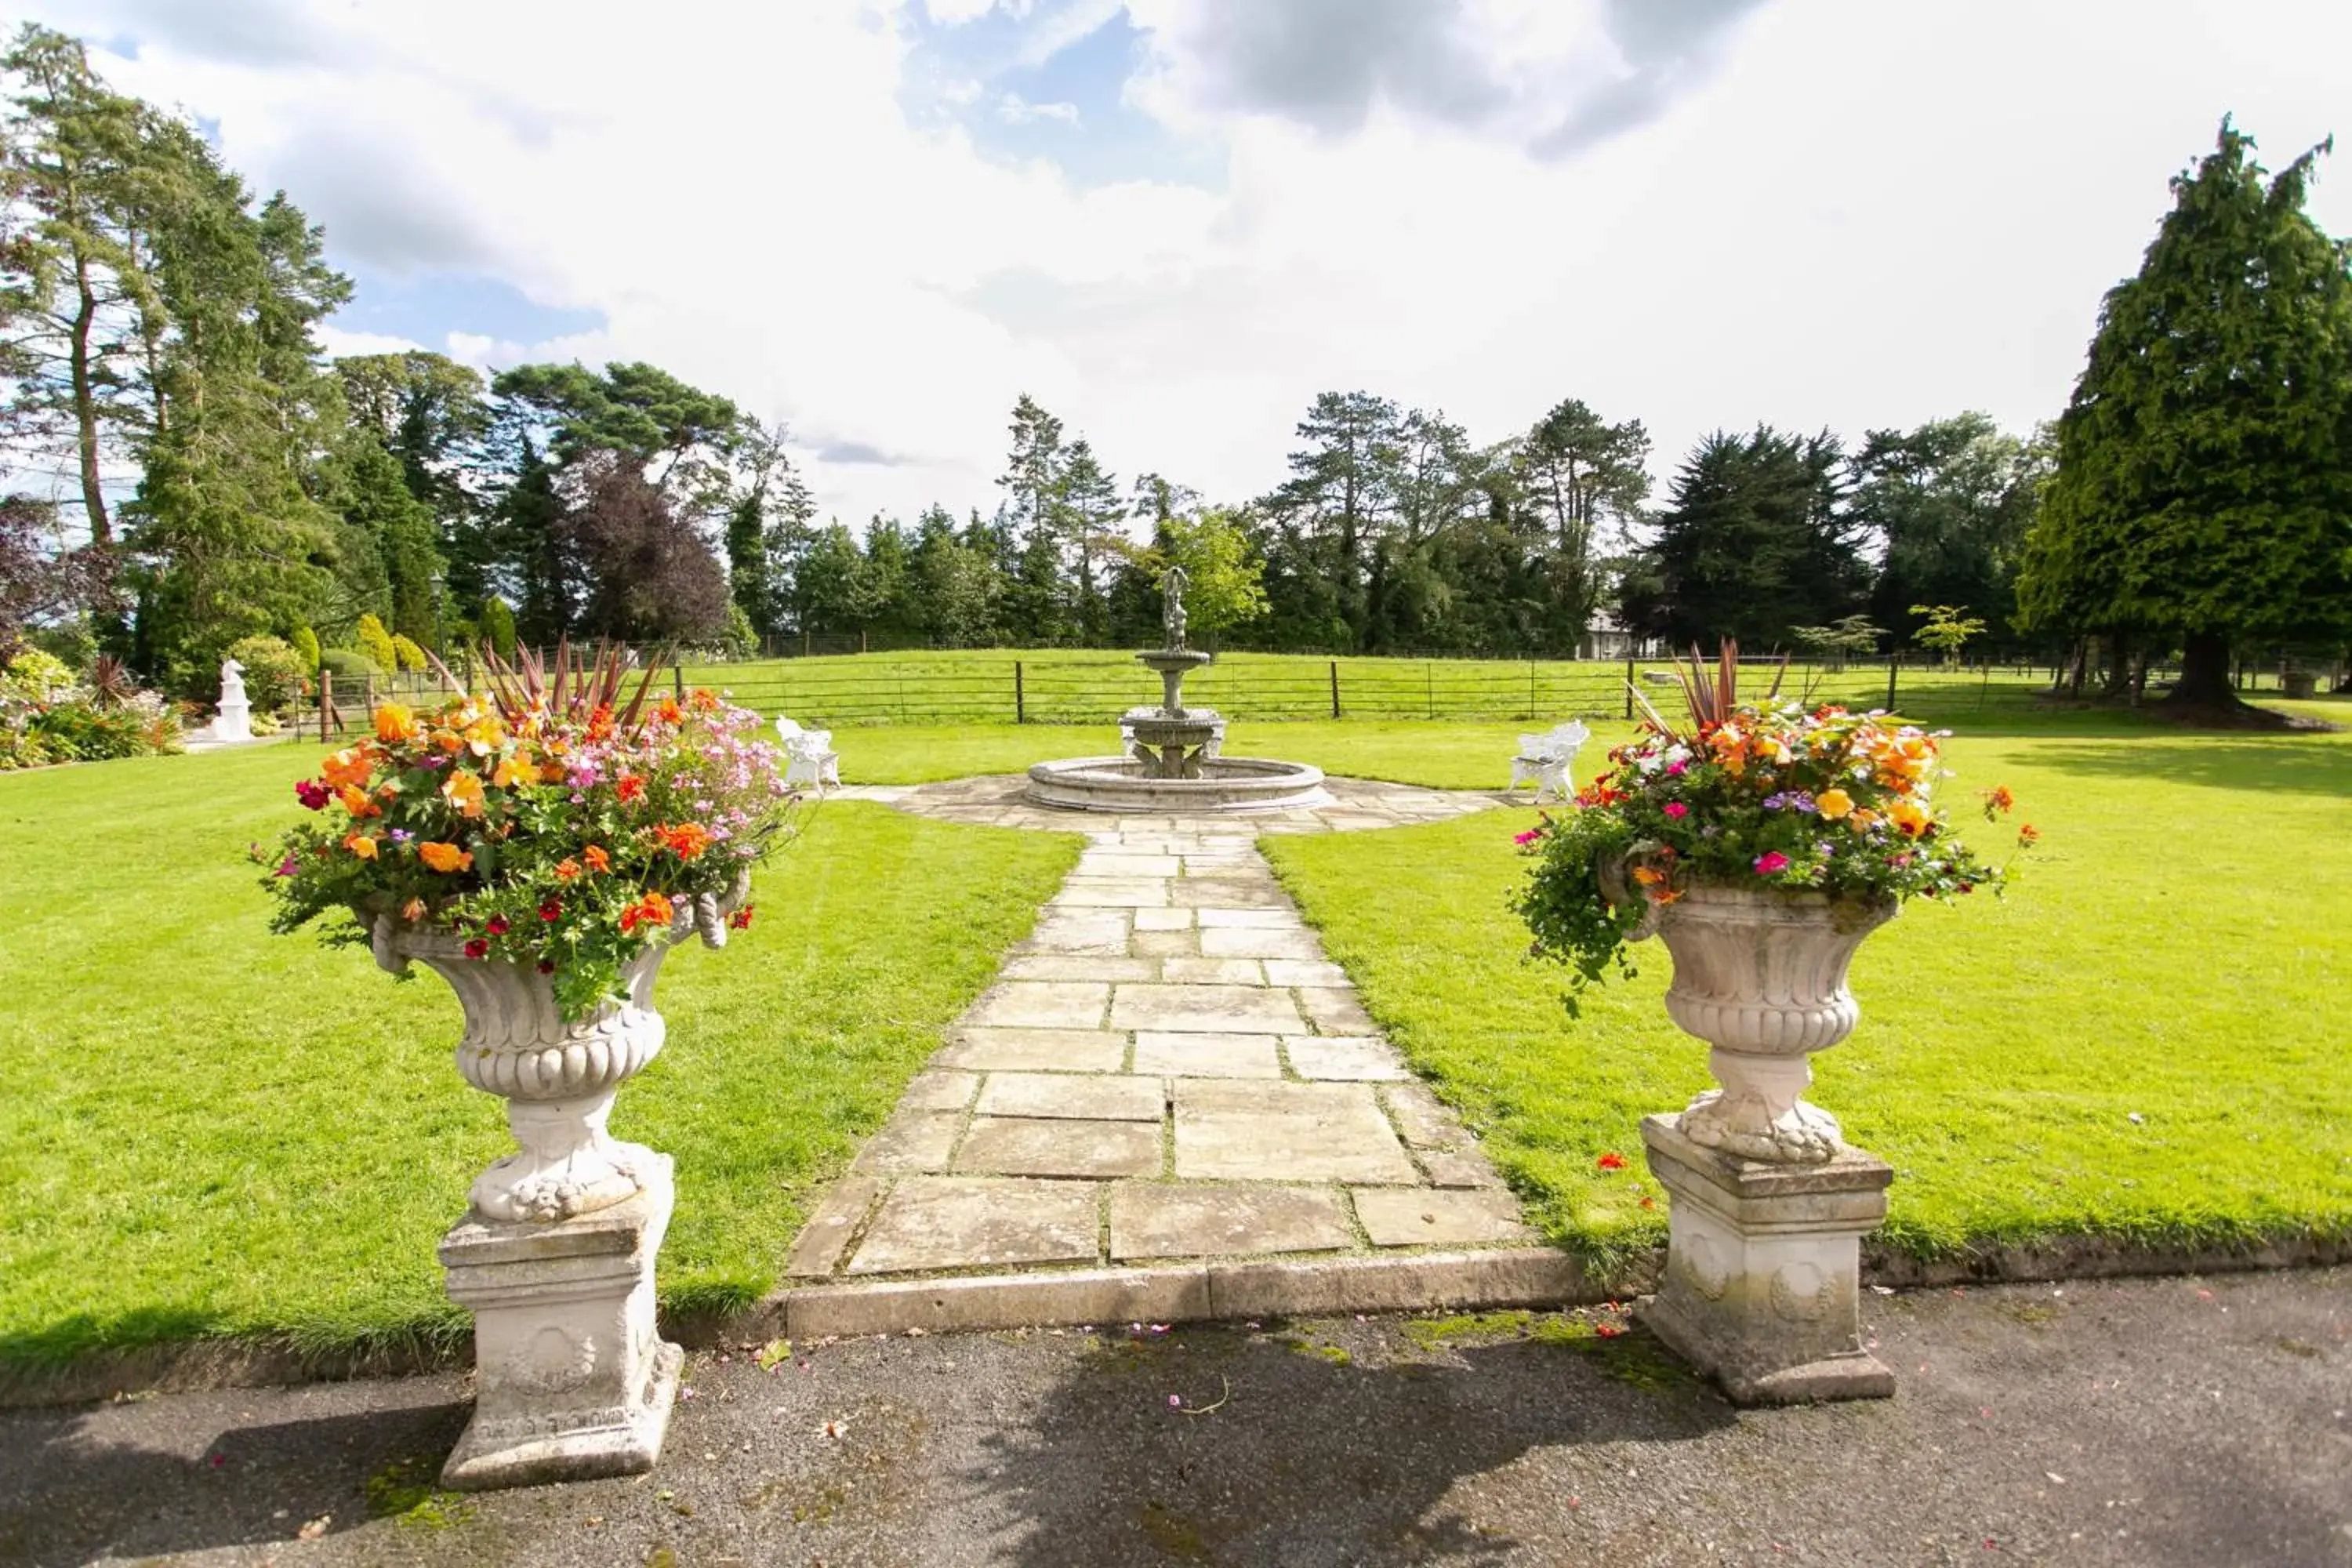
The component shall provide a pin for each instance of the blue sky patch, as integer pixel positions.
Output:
(428, 307)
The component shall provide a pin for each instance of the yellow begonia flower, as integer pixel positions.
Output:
(1832, 804)
(361, 844)
(395, 722)
(444, 856)
(517, 769)
(1910, 816)
(464, 791)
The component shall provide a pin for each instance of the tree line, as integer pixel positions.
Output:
(212, 477)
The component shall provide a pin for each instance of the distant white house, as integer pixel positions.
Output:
(1607, 637)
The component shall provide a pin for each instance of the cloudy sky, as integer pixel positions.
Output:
(1175, 221)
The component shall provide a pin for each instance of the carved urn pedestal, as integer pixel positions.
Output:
(555, 1254)
(1767, 1204)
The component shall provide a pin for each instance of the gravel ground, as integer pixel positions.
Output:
(2144, 1423)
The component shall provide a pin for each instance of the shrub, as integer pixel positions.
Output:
(273, 671)
(79, 732)
(351, 669)
(498, 627)
(376, 643)
(37, 676)
(306, 644)
(409, 655)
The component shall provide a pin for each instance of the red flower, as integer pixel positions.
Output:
(478, 948)
(1608, 1330)
(547, 966)
(631, 787)
(313, 794)
(551, 910)
(497, 926)
(741, 919)
(1770, 862)
(1612, 1160)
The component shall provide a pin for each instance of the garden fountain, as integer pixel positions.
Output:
(1173, 761)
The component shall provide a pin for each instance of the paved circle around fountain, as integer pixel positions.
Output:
(997, 800)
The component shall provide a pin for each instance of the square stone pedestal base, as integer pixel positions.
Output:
(1763, 1264)
(571, 1380)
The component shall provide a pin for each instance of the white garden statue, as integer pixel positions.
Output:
(234, 721)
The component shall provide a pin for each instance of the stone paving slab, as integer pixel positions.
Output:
(1153, 1219)
(1079, 1096)
(955, 1222)
(1168, 1068)
(1023, 1146)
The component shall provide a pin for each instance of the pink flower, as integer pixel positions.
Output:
(1770, 862)
(1678, 769)
(1676, 810)
(312, 794)
(1529, 836)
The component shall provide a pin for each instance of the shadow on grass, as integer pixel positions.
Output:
(1310, 1459)
(2296, 764)
(68, 1495)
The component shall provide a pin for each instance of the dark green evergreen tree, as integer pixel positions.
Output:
(2204, 491)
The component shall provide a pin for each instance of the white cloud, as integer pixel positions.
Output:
(1015, 110)
(956, 13)
(1863, 215)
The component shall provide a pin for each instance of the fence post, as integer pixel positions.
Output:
(1531, 692)
(1629, 686)
(326, 699)
(677, 681)
(1891, 668)
(1020, 696)
(1335, 688)
(861, 639)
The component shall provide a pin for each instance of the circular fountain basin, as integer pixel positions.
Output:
(1226, 783)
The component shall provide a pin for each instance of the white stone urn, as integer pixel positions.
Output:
(558, 1077)
(1760, 975)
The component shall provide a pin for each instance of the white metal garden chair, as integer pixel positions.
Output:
(1544, 760)
(809, 756)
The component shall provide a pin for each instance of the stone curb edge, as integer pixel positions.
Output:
(1357, 1285)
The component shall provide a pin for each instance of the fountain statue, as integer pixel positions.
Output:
(1174, 760)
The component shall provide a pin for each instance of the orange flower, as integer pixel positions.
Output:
(1832, 804)
(349, 766)
(361, 844)
(464, 791)
(517, 769)
(413, 910)
(2028, 835)
(704, 701)
(444, 857)
(449, 741)
(566, 868)
(356, 802)
(652, 910)
(1649, 876)
(686, 841)
(631, 786)
(669, 711)
(1998, 798)
(1908, 815)
(600, 723)
(1862, 821)
(597, 858)
(395, 722)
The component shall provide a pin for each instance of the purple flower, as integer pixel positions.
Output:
(401, 836)
(1791, 800)
(288, 866)
(1677, 768)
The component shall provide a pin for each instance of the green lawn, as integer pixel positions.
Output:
(2177, 949)
(205, 1129)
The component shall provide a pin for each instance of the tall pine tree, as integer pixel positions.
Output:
(2204, 491)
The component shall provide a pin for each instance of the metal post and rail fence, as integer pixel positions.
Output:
(1085, 686)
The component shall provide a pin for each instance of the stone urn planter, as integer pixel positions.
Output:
(556, 1253)
(1760, 976)
(1761, 1288)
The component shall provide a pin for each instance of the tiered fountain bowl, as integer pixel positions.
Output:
(1174, 764)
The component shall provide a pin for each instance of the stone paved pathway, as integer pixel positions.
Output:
(1169, 1069)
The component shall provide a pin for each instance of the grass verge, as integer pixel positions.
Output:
(206, 1129)
(2145, 1040)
